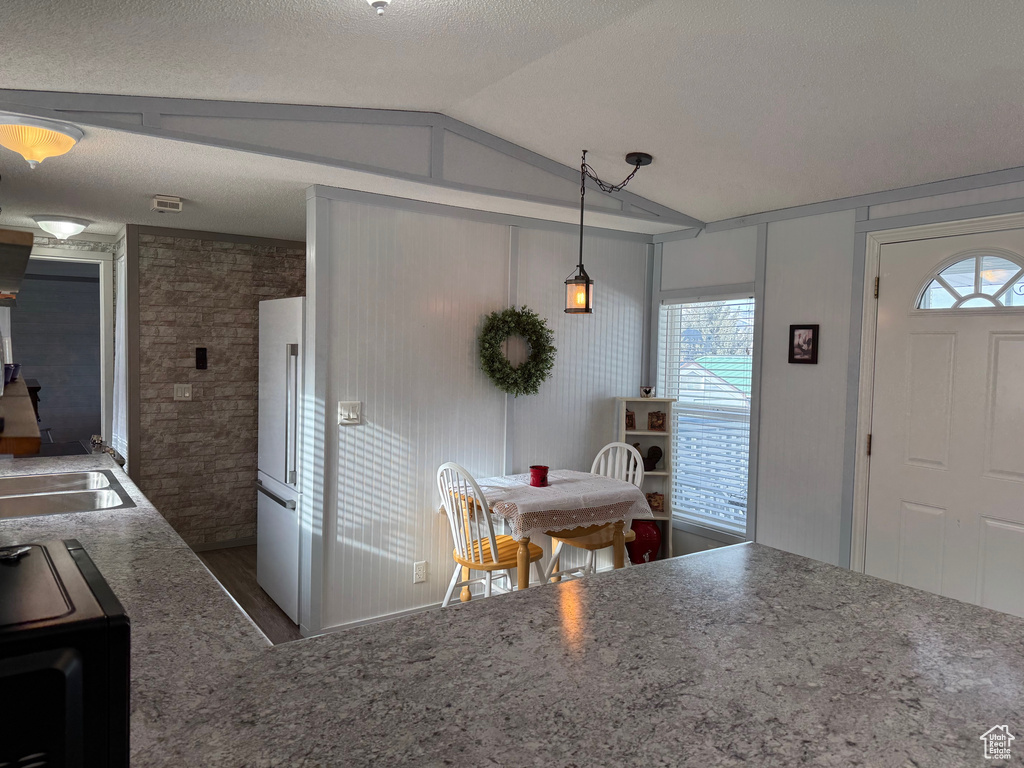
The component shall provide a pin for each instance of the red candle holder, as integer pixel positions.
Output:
(538, 475)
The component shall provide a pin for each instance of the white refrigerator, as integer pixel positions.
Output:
(277, 484)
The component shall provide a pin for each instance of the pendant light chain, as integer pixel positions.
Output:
(587, 171)
(579, 286)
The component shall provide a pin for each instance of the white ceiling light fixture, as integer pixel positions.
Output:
(61, 227)
(380, 5)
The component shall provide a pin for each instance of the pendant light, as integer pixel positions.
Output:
(61, 227)
(36, 139)
(579, 288)
(380, 5)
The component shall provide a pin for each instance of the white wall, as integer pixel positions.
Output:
(808, 279)
(410, 291)
(599, 355)
(719, 258)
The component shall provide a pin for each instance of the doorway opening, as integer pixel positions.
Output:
(62, 328)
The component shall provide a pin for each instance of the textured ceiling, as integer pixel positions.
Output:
(746, 106)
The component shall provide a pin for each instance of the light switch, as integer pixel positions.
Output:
(350, 412)
(182, 391)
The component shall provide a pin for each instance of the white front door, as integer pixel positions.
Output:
(946, 487)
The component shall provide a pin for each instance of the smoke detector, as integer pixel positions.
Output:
(166, 204)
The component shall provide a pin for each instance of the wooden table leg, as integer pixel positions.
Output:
(465, 596)
(619, 546)
(555, 564)
(523, 563)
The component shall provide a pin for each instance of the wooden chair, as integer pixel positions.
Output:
(477, 548)
(623, 462)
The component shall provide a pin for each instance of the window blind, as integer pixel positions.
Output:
(705, 362)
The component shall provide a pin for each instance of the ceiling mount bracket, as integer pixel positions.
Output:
(639, 159)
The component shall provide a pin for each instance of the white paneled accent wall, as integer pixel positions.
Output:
(411, 291)
(599, 355)
(808, 279)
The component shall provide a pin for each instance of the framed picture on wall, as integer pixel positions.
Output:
(803, 344)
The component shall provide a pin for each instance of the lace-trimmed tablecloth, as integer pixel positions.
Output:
(570, 500)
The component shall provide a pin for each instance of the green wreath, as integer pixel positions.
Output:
(527, 378)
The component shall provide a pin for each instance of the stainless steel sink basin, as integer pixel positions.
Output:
(30, 495)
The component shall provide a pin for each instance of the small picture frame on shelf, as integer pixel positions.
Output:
(630, 419)
(656, 501)
(646, 392)
(656, 421)
(803, 344)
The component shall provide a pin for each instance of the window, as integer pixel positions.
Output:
(704, 362)
(977, 280)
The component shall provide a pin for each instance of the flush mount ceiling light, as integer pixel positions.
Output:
(380, 5)
(36, 139)
(61, 227)
(579, 288)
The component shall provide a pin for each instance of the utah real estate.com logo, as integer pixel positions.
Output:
(997, 742)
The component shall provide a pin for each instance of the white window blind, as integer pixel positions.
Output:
(705, 363)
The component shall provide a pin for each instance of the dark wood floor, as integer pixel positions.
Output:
(235, 569)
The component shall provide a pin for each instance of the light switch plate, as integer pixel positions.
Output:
(182, 391)
(350, 412)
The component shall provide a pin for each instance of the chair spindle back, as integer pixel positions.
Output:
(621, 461)
(468, 513)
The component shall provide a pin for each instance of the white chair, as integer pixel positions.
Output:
(477, 548)
(623, 462)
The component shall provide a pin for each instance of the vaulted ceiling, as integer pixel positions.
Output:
(746, 106)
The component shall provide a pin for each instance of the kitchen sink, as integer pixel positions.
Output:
(30, 495)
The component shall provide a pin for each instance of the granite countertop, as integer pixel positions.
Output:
(742, 655)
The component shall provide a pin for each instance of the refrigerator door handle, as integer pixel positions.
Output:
(286, 503)
(291, 447)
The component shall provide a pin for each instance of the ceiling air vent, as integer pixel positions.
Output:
(166, 204)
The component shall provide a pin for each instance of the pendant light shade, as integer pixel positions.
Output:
(61, 227)
(579, 293)
(36, 139)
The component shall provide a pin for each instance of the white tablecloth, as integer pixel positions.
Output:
(570, 500)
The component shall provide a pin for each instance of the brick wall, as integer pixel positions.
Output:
(198, 459)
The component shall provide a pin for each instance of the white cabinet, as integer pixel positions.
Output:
(658, 480)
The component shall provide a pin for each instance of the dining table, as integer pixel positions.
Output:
(571, 505)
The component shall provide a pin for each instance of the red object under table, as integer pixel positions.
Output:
(647, 545)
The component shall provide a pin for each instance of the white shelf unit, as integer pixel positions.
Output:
(660, 479)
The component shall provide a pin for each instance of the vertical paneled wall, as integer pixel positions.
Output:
(599, 355)
(198, 459)
(411, 291)
(808, 279)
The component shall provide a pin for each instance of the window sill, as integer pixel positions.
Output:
(725, 537)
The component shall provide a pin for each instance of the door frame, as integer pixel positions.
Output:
(105, 262)
(874, 240)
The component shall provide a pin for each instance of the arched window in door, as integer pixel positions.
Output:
(986, 279)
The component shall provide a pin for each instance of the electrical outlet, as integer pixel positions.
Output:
(182, 391)
(419, 572)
